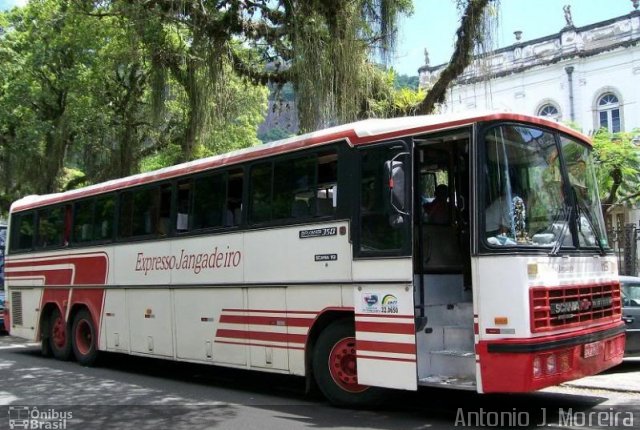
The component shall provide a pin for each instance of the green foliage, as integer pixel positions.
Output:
(393, 101)
(618, 167)
(273, 134)
(95, 90)
(405, 81)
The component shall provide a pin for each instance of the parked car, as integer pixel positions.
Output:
(631, 313)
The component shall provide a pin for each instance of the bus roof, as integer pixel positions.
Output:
(357, 133)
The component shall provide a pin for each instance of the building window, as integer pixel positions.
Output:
(608, 110)
(549, 111)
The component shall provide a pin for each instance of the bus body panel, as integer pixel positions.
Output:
(519, 332)
(260, 296)
(385, 335)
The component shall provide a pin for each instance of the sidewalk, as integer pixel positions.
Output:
(624, 378)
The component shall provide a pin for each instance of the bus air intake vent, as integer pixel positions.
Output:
(16, 308)
(573, 306)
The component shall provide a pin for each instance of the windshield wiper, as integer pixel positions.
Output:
(582, 208)
(556, 247)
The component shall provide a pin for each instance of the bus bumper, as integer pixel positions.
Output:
(522, 365)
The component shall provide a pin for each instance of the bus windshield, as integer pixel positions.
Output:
(525, 197)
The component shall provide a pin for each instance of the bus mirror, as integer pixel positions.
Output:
(395, 173)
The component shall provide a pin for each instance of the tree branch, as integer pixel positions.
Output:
(461, 58)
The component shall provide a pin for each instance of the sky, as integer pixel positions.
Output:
(434, 23)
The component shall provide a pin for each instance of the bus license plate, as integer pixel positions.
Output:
(591, 349)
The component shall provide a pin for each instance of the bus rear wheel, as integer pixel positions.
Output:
(84, 339)
(59, 341)
(335, 368)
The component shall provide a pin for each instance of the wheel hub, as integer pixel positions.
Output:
(343, 367)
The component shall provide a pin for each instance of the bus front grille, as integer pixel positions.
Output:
(572, 306)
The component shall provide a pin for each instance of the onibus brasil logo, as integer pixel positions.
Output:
(26, 417)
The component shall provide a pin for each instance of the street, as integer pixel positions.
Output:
(134, 392)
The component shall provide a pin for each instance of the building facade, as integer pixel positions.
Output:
(589, 76)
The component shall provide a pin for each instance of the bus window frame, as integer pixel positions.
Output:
(483, 248)
(291, 220)
(406, 249)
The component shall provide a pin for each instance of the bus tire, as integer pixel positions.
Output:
(59, 338)
(335, 371)
(45, 338)
(84, 338)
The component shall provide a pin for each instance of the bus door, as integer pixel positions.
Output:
(442, 260)
(383, 297)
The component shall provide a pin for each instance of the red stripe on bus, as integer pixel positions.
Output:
(377, 357)
(270, 321)
(394, 347)
(87, 270)
(372, 315)
(271, 311)
(261, 335)
(300, 348)
(51, 277)
(382, 327)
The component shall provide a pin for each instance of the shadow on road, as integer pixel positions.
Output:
(225, 390)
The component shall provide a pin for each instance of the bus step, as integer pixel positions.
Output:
(457, 364)
(454, 353)
(462, 383)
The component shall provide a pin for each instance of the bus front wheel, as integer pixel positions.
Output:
(84, 339)
(335, 368)
(59, 342)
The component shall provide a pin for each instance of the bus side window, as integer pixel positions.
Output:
(209, 194)
(51, 227)
(22, 231)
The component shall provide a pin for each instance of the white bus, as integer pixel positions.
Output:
(463, 251)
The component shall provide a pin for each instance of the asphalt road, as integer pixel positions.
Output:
(133, 392)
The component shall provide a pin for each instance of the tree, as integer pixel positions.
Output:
(471, 33)
(618, 168)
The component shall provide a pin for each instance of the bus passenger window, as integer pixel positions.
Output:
(260, 194)
(50, 227)
(22, 231)
(209, 201)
